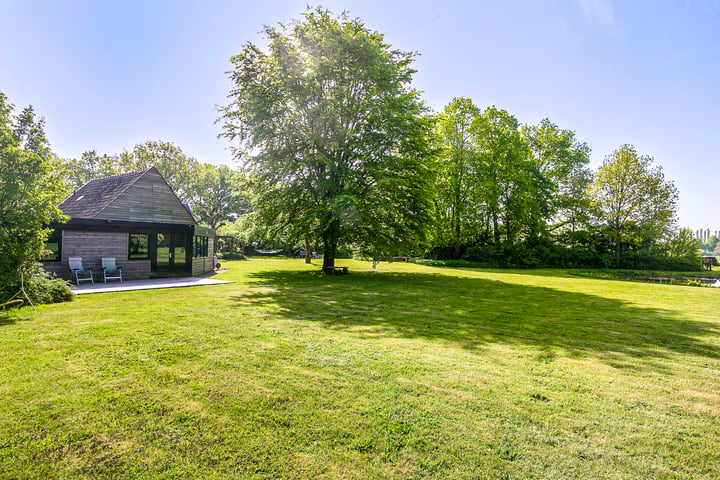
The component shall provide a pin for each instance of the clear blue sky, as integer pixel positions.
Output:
(108, 75)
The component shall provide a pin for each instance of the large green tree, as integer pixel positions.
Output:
(508, 180)
(562, 161)
(31, 187)
(633, 201)
(573, 205)
(332, 135)
(459, 214)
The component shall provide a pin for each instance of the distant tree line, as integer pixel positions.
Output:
(522, 195)
(495, 191)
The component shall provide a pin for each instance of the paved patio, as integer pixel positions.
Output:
(150, 284)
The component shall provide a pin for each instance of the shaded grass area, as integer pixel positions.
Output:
(473, 312)
(404, 372)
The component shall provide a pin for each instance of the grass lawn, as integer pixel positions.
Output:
(403, 372)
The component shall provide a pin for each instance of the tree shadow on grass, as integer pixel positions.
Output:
(473, 313)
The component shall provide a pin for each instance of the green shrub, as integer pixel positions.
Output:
(45, 289)
(649, 259)
(545, 253)
(450, 263)
(41, 286)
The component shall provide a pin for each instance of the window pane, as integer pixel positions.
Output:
(138, 246)
(200, 246)
(51, 250)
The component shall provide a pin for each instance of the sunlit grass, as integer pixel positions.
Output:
(400, 372)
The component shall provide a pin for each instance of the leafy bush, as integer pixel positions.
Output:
(442, 252)
(481, 253)
(648, 259)
(41, 286)
(44, 289)
(344, 253)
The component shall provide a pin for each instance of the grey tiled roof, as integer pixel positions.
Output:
(94, 196)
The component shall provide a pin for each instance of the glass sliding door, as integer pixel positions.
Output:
(162, 255)
(179, 253)
(168, 254)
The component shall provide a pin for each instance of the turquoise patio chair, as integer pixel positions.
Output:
(76, 268)
(110, 269)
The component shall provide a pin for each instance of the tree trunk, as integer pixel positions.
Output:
(330, 240)
(618, 244)
(308, 253)
(456, 226)
(496, 228)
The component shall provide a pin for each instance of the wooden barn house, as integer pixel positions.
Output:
(135, 218)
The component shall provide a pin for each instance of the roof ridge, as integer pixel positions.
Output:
(124, 174)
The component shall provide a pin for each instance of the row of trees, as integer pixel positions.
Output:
(501, 183)
(338, 148)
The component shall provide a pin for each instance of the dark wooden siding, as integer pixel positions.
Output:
(149, 199)
(201, 265)
(92, 246)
